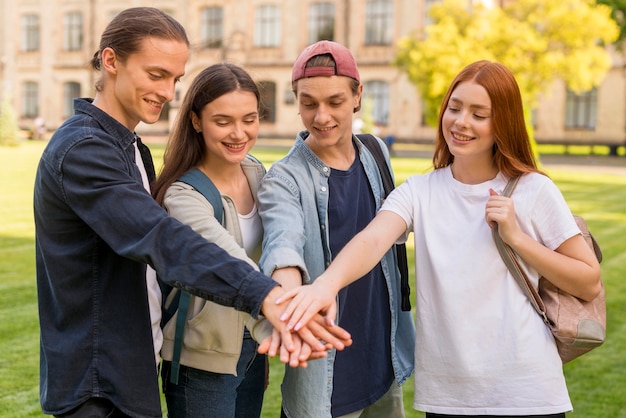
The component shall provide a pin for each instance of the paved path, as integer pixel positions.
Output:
(587, 163)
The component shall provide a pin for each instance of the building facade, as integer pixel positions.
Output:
(46, 46)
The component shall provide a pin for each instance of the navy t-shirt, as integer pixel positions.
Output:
(362, 372)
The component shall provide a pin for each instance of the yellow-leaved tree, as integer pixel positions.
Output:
(538, 40)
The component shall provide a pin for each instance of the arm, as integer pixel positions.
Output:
(291, 278)
(288, 277)
(191, 208)
(348, 266)
(571, 267)
(282, 207)
(310, 333)
(297, 349)
(284, 236)
(111, 200)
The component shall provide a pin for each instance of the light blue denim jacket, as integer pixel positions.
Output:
(293, 203)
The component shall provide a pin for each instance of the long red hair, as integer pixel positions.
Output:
(512, 151)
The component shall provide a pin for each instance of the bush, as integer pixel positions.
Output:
(8, 124)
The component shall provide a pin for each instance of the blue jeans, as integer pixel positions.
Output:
(202, 394)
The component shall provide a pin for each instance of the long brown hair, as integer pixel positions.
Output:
(130, 27)
(186, 148)
(512, 151)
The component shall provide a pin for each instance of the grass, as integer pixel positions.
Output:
(596, 381)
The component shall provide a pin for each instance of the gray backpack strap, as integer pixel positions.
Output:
(199, 181)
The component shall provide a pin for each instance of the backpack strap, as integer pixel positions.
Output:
(373, 146)
(202, 184)
(512, 263)
(199, 181)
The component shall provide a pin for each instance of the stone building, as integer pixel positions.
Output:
(46, 45)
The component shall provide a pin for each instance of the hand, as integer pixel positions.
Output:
(271, 344)
(318, 328)
(500, 210)
(306, 301)
(301, 354)
(311, 332)
(315, 329)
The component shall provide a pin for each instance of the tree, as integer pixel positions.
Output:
(538, 40)
(618, 14)
(8, 124)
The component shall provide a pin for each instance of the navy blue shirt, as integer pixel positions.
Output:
(363, 372)
(96, 229)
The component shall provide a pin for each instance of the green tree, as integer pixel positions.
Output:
(618, 14)
(539, 40)
(8, 124)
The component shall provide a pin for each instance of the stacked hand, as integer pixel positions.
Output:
(310, 339)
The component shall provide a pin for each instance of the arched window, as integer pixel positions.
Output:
(30, 33)
(30, 99)
(321, 22)
(212, 27)
(73, 31)
(267, 26)
(581, 110)
(379, 22)
(378, 92)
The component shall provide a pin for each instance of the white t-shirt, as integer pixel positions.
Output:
(251, 230)
(481, 349)
(154, 290)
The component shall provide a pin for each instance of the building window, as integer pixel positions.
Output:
(73, 31)
(378, 22)
(267, 27)
(378, 93)
(30, 99)
(268, 101)
(581, 110)
(211, 27)
(30, 33)
(71, 91)
(321, 22)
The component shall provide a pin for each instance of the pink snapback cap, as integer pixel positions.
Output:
(345, 65)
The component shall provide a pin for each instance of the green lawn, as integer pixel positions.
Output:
(597, 381)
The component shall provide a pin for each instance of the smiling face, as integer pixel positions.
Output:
(467, 122)
(326, 105)
(136, 89)
(229, 125)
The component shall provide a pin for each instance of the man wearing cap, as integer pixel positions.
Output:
(312, 202)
